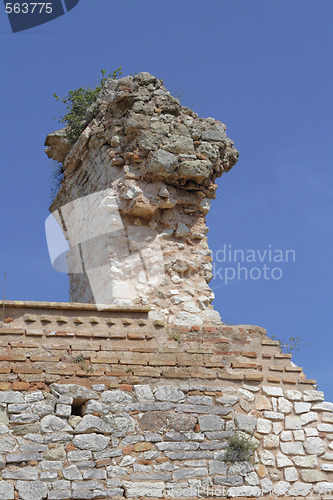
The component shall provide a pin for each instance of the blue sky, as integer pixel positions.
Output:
(262, 67)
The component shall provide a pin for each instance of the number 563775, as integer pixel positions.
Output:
(28, 8)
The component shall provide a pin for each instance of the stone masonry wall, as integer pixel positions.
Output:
(150, 164)
(112, 405)
(137, 391)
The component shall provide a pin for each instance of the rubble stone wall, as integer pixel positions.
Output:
(163, 441)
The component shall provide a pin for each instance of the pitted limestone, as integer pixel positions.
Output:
(93, 442)
(6, 490)
(35, 490)
(160, 162)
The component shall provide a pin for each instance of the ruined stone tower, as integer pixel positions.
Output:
(136, 389)
(138, 184)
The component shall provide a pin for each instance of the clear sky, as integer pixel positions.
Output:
(263, 67)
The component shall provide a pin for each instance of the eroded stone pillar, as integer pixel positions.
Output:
(137, 186)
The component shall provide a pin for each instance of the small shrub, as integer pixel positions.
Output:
(79, 359)
(290, 345)
(240, 448)
(173, 335)
(81, 106)
(228, 322)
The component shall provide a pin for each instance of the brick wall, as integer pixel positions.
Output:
(41, 345)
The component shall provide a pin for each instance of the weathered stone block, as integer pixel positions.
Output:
(312, 475)
(35, 490)
(308, 461)
(264, 426)
(244, 491)
(93, 442)
(170, 394)
(75, 391)
(26, 473)
(315, 446)
(181, 422)
(6, 491)
(72, 473)
(292, 448)
(143, 393)
(144, 489)
(183, 446)
(163, 164)
(211, 423)
(57, 453)
(51, 423)
(11, 397)
(6, 444)
(189, 472)
(22, 457)
(246, 423)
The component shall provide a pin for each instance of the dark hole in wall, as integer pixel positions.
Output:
(77, 407)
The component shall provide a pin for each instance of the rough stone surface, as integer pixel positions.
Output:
(246, 423)
(315, 446)
(6, 490)
(159, 162)
(170, 394)
(134, 437)
(35, 490)
(210, 423)
(75, 391)
(93, 442)
(116, 402)
(51, 423)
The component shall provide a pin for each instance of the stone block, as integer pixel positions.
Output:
(143, 393)
(246, 423)
(31, 490)
(244, 491)
(315, 446)
(23, 457)
(144, 489)
(6, 491)
(292, 448)
(210, 423)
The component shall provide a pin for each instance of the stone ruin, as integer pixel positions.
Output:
(142, 175)
(139, 397)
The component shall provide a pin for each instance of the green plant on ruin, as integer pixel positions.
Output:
(81, 106)
(172, 334)
(79, 359)
(228, 322)
(240, 448)
(290, 345)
